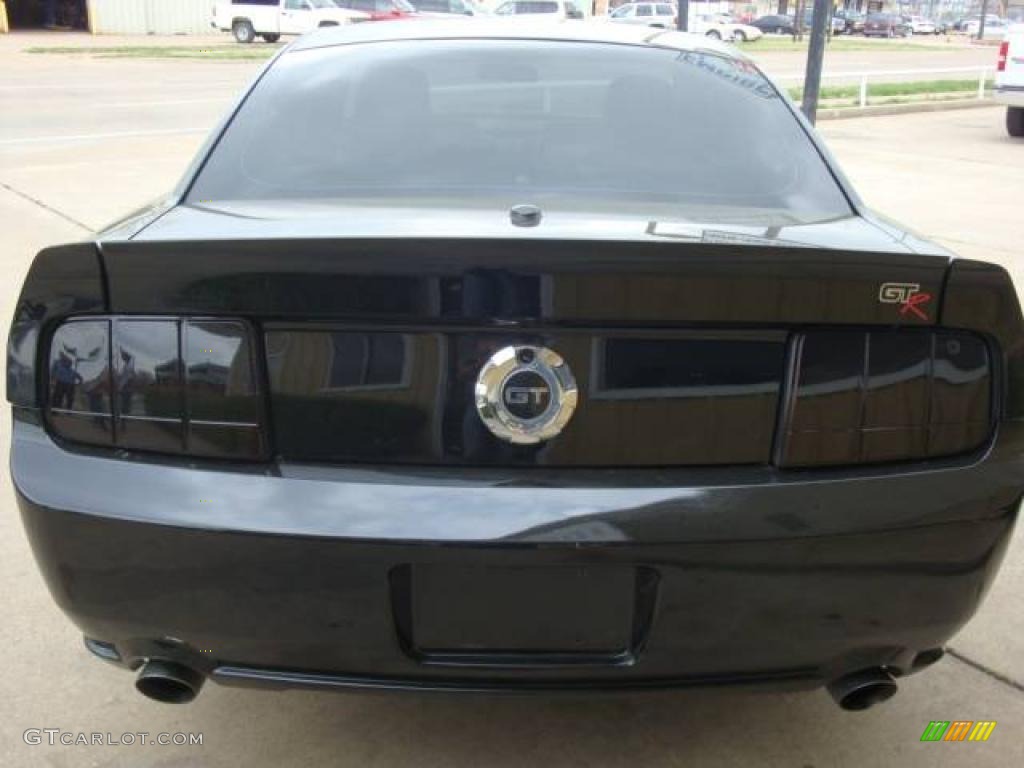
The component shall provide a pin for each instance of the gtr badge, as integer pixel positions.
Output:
(909, 296)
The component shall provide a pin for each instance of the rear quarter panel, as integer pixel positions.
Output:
(1013, 75)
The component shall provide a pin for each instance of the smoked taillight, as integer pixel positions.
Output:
(167, 385)
(865, 397)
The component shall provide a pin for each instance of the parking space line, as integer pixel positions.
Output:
(83, 89)
(985, 670)
(165, 103)
(46, 207)
(57, 139)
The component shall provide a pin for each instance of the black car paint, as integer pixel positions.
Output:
(886, 25)
(311, 604)
(452, 303)
(779, 25)
(301, 574)
(332, 542)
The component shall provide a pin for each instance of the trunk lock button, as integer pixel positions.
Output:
(525, 215)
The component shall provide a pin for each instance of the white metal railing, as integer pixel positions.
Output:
(863, 77)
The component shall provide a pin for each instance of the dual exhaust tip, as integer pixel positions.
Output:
(168, 682)
(863, 689)
(174, 683)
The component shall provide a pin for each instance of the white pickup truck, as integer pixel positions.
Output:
(269, 19)
(1010, 79)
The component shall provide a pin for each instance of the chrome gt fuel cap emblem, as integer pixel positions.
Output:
(525, 394)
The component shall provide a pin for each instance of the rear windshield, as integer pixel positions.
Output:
(565, 125)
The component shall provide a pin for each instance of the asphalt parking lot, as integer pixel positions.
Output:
(83, 141)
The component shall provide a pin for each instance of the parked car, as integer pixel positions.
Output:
(853, 21)
(248, 20)
(1010, 79)
(711, 26)
(922, 26)
(380, 10)
(774, 24)
(886, 25)
(541, 9)
(645, 14)
(994, 26)
(449, 8)
(837, 25)
(312, 421)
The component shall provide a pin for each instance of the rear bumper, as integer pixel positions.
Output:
(1012, 96)
(296, 576)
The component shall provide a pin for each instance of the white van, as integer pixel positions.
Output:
(1010, 79)
(269, 19)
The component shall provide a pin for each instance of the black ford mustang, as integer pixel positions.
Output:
(467, 357)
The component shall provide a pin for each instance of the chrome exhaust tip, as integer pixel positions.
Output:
(862, 690)
(168, 681)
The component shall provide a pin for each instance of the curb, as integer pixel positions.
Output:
(904, 109)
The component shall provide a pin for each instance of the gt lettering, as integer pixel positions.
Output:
(897, 293)
(525, 395)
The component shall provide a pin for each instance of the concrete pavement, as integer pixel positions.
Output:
(954, 176)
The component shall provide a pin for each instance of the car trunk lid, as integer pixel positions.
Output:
(372, 347)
